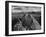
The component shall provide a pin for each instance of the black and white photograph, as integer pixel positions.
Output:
(25, 18)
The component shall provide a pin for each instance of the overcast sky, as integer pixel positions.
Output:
(25, 9)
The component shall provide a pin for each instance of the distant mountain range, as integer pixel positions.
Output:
(37, 13)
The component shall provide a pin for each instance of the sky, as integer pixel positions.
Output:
(25, 9)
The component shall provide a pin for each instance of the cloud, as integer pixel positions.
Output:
(26, 9)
